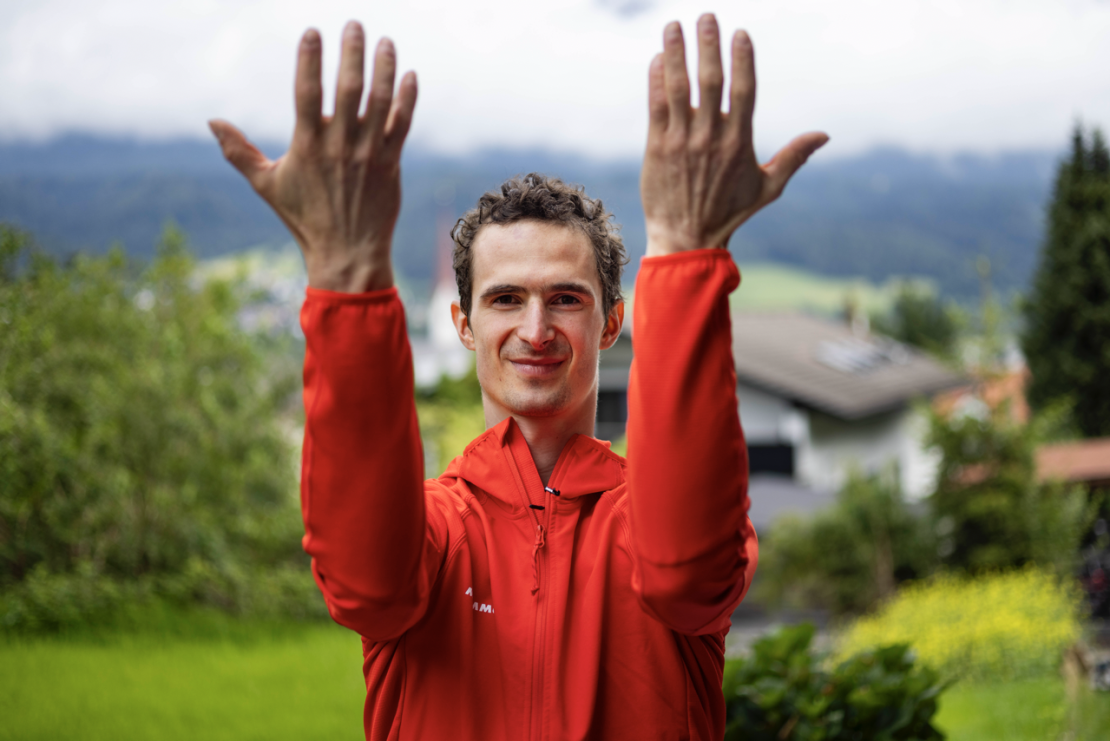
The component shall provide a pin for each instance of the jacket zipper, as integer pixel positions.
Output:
(539, 566)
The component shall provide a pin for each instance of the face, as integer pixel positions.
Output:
(536, 322)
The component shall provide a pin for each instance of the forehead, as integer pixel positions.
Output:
(532, 253)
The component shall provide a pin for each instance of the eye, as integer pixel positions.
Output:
(567, 299)
(504, 299)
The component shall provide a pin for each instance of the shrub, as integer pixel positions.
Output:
(996, 627)
(141, 445)
(850, 556)
(991, 510)
(781, 691)
(451, 416)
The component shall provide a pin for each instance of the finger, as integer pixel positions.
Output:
(658, 110)
(789, 159)
(308, 92)
(711, 76)
(381, 91)
(676, 83)
(348, 88)
(741, 105)
(242, 155)
(400, 115)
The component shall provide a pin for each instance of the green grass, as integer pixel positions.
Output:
(207, 678)
(202, 675)
(1033, 709)
(772, 287)
(1023, 710)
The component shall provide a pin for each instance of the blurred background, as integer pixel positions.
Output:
(935, 283)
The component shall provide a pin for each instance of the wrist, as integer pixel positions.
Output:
(663, 247)
(350, 276)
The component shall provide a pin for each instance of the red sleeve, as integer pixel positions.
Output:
(687, 463)
(362, 495)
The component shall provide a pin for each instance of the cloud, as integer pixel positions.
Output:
(937, 75)
(627, 8)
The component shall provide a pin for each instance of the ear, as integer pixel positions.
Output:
(613, 324)
(462, 325)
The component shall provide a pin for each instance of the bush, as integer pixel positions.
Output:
(997, 627)
(781, 691)
(990, 509)
(451, 416)
(849, 557)
(141, 445)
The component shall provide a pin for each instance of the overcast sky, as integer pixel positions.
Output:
(931, 75)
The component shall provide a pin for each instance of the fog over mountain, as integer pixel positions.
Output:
(884, 213)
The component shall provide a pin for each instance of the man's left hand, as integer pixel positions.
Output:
(700, 179)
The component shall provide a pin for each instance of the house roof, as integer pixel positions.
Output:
(824, 365)
(1079, 461)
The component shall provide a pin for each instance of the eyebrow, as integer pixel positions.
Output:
(566, 287)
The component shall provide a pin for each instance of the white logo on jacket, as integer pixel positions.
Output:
(479, 606)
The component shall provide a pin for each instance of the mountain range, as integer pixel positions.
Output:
(884, 213)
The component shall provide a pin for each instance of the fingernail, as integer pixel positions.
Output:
(674, 30)
(352, 27)
(215, 131)
(311, 38)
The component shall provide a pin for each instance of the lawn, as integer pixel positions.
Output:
(285, 682)
(204, 676)
(775, 287)
(1028, 710)
(1015, 711)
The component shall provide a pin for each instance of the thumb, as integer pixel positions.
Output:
(790, 159)
(242, 155)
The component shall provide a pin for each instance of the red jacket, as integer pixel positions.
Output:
(600, 616)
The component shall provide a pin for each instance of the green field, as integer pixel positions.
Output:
(774, 287)
(209, 677)
(301, 682)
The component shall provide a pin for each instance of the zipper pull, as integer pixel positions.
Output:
(536, 558)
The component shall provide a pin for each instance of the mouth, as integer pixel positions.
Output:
(538, 367)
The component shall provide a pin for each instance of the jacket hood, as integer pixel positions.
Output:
(499, 462)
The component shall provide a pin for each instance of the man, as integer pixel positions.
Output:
(542, 587)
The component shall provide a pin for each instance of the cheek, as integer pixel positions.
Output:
(488, 343)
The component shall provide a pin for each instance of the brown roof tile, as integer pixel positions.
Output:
(1079, 461)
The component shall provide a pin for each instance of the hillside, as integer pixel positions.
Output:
(882, 214)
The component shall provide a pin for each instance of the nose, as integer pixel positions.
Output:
(535, 328)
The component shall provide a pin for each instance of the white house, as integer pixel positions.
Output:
(817, 399)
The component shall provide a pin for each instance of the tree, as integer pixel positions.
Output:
(991, 512)
(1067, 317)
(919, 318)
(850, 556)
(141, 452)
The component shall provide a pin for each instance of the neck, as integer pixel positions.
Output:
(546, 436)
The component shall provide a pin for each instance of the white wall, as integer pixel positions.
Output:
(834, 447)
(768, 419)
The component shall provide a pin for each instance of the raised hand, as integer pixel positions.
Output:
(338, 188)
(700, 179)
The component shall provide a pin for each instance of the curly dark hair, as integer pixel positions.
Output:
(542, 198)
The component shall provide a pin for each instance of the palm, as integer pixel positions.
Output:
(338, 188)
(700, 178)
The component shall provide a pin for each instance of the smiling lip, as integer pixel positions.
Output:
(537, 366)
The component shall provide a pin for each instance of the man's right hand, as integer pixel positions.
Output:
(338, 188)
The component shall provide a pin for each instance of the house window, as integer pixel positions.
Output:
(612, 414)
(776, 458)
(612, 407)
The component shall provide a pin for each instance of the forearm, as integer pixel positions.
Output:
(361, 486)
(695, 549)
